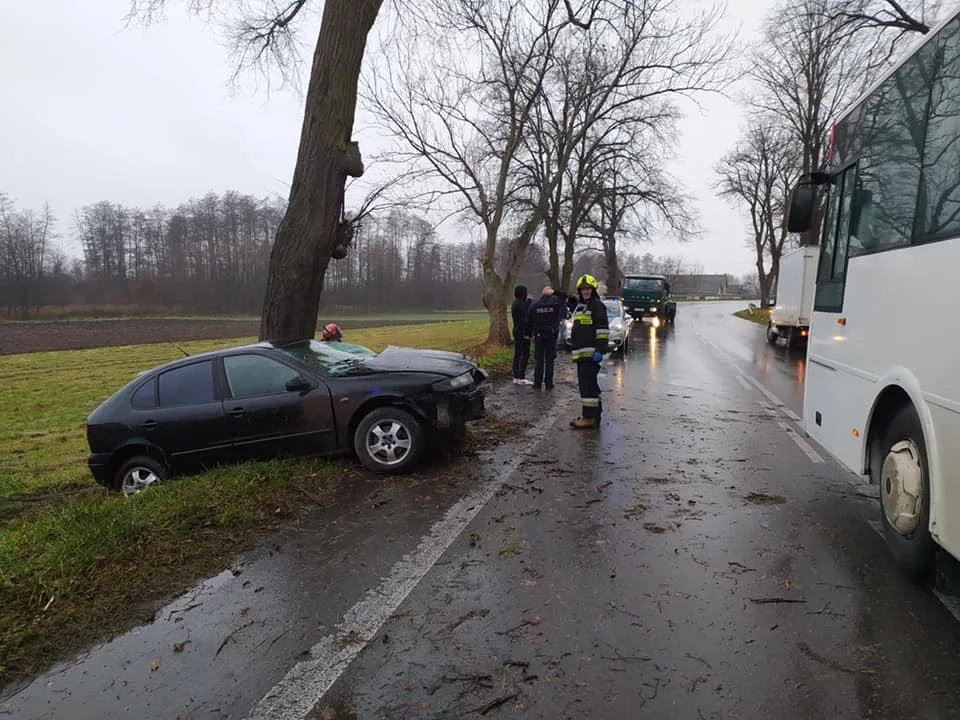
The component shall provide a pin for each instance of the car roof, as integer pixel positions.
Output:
(210, 354)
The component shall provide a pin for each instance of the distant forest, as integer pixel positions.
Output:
(210, 256)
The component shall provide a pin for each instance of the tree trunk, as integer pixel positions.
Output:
(766, 285)
(496, 300)
(566, 273)
(308, 233)
(614, 276)
(552, 233)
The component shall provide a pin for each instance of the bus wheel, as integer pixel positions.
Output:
(904, 481)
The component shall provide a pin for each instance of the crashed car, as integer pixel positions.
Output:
(270, 399)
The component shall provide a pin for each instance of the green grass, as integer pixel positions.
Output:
(78, 564)
(760, 315)
(85, 569)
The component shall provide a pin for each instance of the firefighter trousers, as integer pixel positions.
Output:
(587, 372)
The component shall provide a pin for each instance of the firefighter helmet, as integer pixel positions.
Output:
(331, 333)
(588, 281)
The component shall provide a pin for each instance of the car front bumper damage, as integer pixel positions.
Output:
(455, 408)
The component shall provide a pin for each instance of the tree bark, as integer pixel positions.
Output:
(566, 273)
(552, 233)
(614, 276)
(308, 233)
(496, 300)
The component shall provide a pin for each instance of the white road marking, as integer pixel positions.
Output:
(780, 405)
(801, 443)
(743, 381)
(305, 684)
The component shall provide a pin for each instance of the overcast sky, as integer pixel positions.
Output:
(94, 111)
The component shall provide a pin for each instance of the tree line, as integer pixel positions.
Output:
(814, 59)
(210, 255)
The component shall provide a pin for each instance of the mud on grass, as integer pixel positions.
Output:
(86, 569)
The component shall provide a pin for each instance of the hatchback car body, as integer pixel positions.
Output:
(265, 400)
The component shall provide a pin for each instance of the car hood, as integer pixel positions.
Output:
(399, 359)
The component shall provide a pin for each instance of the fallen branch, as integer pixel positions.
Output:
(494, 704)
(771, 600)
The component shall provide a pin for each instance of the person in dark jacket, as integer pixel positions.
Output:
(588, 340)
(543, 324)
(521, 345)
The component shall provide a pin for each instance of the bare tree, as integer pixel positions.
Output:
(314, 225)
(25, 251)
(757, 174)
(634, 199)
(543, 86)
(807, 69)
(899, 16)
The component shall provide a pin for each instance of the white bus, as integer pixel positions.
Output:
(882, 390)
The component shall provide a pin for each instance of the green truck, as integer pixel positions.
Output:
(648, 296)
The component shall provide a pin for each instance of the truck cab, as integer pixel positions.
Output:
(648, 296)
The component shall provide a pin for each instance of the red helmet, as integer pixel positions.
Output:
(331, 333)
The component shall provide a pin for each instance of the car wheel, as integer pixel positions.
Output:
(389, 440)
(772, 337)
(138, 473)
(903, 477)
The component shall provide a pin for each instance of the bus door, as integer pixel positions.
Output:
(832, 395)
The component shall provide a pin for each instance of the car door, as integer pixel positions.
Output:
(187, 421)
(267, 418)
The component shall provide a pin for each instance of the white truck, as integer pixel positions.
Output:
(790, 317)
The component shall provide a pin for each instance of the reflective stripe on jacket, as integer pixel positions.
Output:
(590, 330)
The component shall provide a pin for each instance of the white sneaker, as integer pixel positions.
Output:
(521, 381)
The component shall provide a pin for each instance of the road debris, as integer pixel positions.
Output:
(761, 497)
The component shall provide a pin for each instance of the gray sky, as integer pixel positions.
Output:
(96, 111)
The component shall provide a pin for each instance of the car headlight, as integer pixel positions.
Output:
(454, 383)
(653, 307)
(616, 325)
(569, 325)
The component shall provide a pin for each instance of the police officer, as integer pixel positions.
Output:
(543, 324)
(588, 340)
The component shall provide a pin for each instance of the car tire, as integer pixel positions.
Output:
(772, 337)
(403, 430)
(903, 478)
(138, 473)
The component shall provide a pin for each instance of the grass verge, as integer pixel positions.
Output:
(78, 564)
(93, 566)
(760, 315)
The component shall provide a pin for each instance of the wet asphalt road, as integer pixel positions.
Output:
(695, 558)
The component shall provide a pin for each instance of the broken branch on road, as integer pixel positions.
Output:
(775, 600)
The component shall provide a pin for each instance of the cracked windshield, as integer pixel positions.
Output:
(479, 359)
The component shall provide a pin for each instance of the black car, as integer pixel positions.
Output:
(270, 399)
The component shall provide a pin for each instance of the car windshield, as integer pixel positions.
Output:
(329, 358)
(613, 308)
(643, 284)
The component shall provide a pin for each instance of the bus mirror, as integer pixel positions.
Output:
(802, 202)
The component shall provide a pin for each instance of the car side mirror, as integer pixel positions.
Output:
(299, 384)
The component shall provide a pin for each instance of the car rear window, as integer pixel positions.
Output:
(187, 385)
(145, 396)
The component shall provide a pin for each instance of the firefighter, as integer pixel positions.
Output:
(588, 341)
